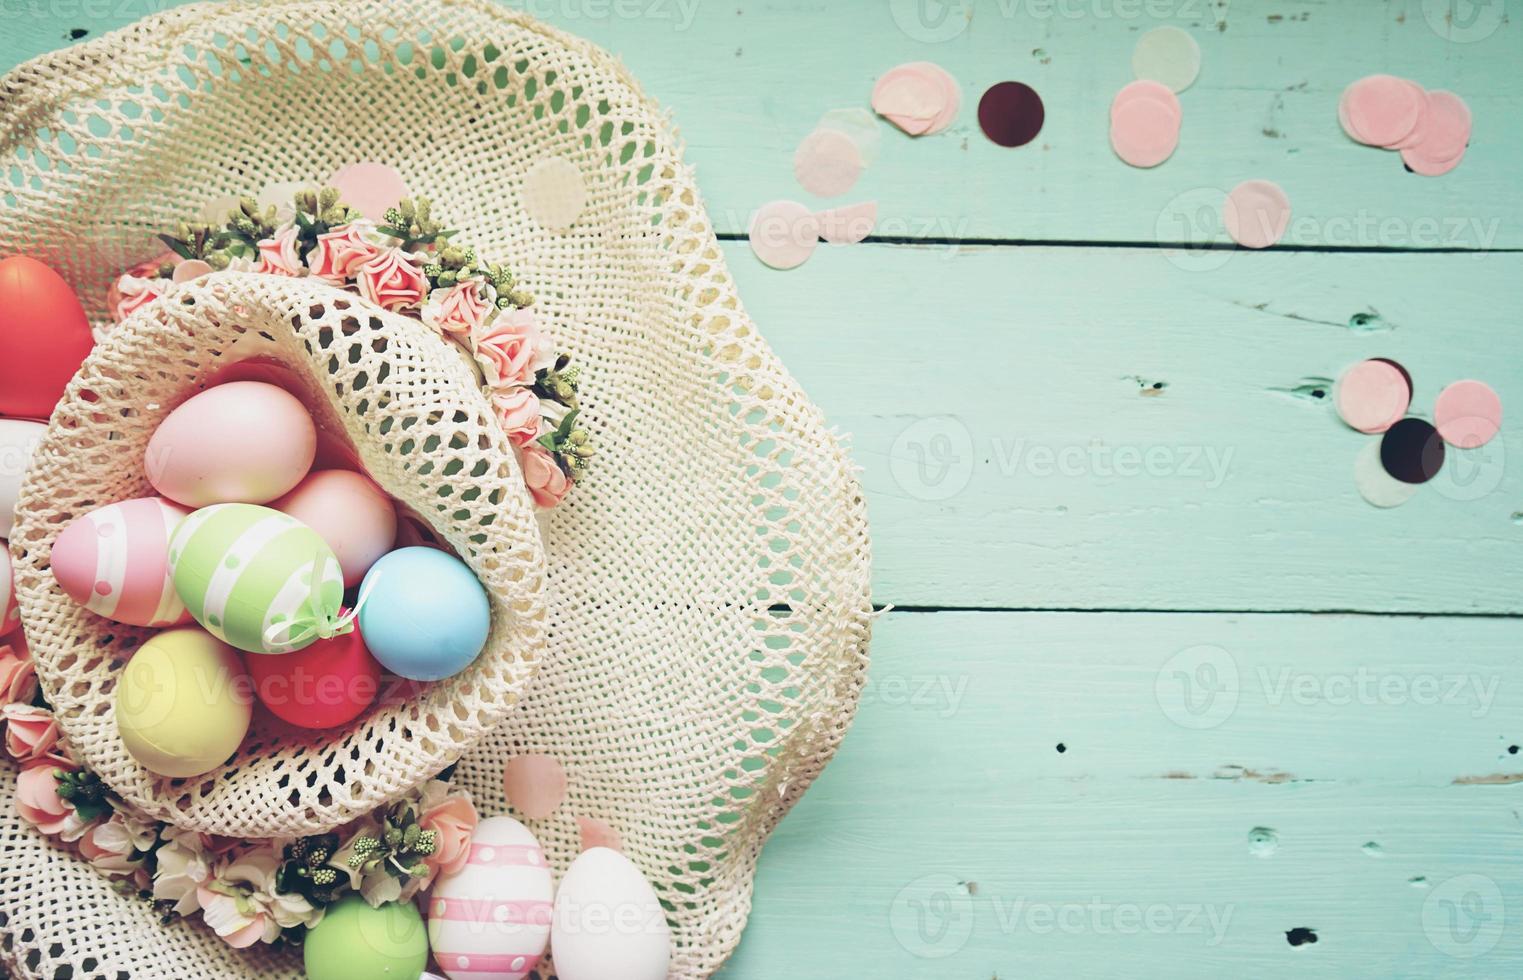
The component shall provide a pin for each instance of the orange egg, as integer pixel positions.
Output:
(43, 337)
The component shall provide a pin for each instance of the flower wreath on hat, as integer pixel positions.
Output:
(405, 263)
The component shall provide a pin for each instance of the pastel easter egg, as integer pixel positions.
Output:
(357, 942)
(491, 919)
(328, 684)
(182, 703)
(114, 561)
(608, 921)
(43, 337)
(242, 442)
(10, 615)
(424, 614)
(18, 440)
(355, 517)
(245, 572)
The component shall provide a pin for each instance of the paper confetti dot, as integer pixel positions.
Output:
(1468, 414)
(1144, 132)
(1381, 110)
(1256, 213)
(596, 833)
(535, 784)
(909, 98)
(827, 163)
(1439, 143)
(1375, 484)
(1168, 55)
(554, 193)
(951, 94)
(1144, 89)
(1011, 113)
(784, 234)
(848, 225)
(370, 188)
(1372, 395)
(1412, 451)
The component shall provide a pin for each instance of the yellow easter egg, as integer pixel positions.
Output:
(183, 703)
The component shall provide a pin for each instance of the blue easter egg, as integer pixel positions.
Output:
(424, 615)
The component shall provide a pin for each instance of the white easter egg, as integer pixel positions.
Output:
(18, 440)
(491, 920)
(10, 616)
(608, 923)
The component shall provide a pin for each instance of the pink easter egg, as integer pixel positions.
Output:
(243, 442)
(10, 616)
(115, 562)
(348, 511)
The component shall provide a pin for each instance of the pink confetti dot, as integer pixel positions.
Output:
(1439, 144)
(370, 188)
(1372, 395)
(1468, 414)
(1144, 132)
(1256, 213)
(827, 163)
(1382, 110)
(103, 588)
(784, 234)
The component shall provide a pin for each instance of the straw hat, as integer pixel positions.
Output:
(687, 633)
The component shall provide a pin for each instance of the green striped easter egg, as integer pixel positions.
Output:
(245, 574)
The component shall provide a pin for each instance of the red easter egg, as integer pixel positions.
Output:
(43, 337)
(328, 684)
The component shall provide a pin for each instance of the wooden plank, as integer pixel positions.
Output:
(1017, 452)
(749, 80)
(1152, 847)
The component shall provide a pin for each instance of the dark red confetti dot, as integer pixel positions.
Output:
(1412, 451)
(1011, 113)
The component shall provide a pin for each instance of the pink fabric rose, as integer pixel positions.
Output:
(392, 280)
(279, 255)
(511, 348)
(548, 483)
(453, 822)
(18, 676)
(339, 254)
(30, 731)
(130, 292)
(39, 804)
(518, 411)
(459, 311)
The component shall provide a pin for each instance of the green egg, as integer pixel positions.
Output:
(243, 570)
(357, 942)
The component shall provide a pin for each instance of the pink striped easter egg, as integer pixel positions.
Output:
(491, 919)
(115, 562)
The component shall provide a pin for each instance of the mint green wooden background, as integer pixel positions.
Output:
(1108, 503)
